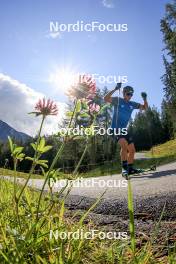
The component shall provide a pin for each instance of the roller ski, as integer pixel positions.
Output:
(135, 171)
(126, 172)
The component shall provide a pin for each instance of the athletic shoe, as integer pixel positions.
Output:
(125, 173)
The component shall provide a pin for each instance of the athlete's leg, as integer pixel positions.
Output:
(124, 155)
(131, 153)
(124, 149)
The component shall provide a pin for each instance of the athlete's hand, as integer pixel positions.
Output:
(118, 86)
(144, 96)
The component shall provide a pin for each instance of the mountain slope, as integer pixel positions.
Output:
(6, 130)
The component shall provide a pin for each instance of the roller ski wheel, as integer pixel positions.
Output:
(135, 171)
(125, 174)
(153, 168)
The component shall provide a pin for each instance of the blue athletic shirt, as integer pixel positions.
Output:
(122, 112)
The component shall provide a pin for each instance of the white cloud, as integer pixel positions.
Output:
(108, 3)
(17, 100)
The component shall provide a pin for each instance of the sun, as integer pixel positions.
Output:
(62, 78)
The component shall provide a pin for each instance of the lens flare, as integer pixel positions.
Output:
(62, 78)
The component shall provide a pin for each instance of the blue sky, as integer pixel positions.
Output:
(29, 55)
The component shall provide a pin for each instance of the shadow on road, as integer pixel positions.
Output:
(156, 174)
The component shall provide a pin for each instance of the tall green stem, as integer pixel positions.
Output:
(55, 160)
(30, 173)
(131, 216)
(34, 160)
(81, 159)
(15, 176)
(84, 152)
(15, 190)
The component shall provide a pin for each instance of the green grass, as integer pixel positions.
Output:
(32, 245)
(27, 241)
(7, 172)
(164, 150)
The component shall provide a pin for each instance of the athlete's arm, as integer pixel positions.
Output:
(108, 96)
(145, 105)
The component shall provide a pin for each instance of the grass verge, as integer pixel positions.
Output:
(167, 149)
(33, 244)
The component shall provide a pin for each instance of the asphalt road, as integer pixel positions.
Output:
(161, 181)
(151, 192)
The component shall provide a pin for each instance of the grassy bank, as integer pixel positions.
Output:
(167, 149)
(31, 243)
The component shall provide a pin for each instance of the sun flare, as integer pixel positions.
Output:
(63, 78)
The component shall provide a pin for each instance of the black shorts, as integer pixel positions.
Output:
(128, 137)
